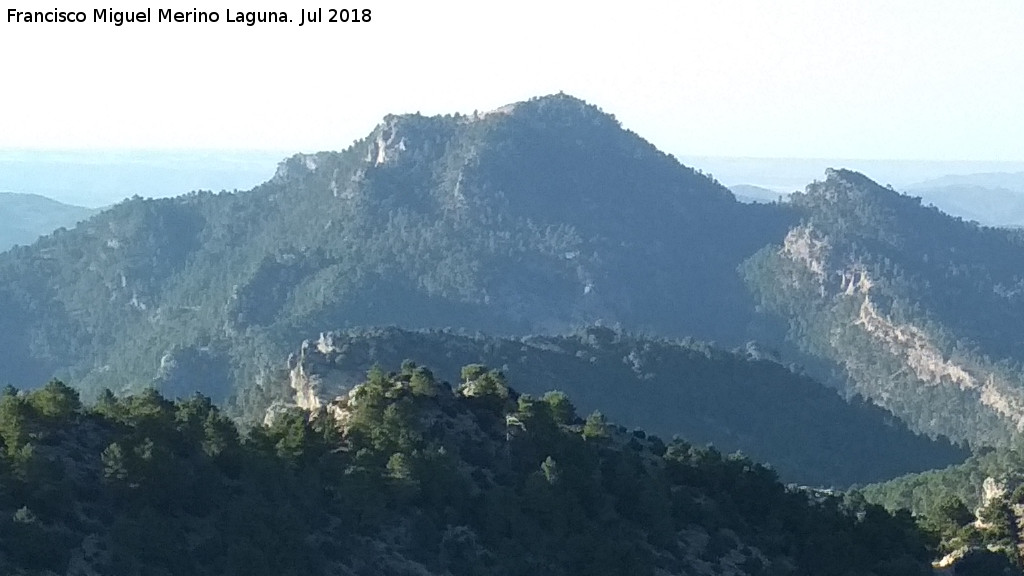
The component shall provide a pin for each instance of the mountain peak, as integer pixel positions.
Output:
(855, 179)
(847, 187)
(557, 109)
(557, 146)
(561, 100)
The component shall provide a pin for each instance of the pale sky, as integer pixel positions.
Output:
(885, 79)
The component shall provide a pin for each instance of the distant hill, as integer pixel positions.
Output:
(750, 194)
(1013, 181)
(987, 206)
(992, 199)
(26, 217)
(96, 178)
(734, 400)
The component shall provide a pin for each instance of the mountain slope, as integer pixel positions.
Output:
(736, 401)
(26, 217)
(409, 477)
(919, 311)
(534, 218)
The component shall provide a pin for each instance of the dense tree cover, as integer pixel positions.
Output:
(403, 476)
(916, 310)
(537, 218)
(740, 400)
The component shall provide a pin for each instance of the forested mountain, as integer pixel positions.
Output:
(920, 312)
(533, 218)
(735, 400)
(26, 217)
(757, 194)
(406, 475)
(539, 217)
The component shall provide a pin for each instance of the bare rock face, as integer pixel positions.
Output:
(805, 246)
(991, 489)
(388, 144)
(316, 375)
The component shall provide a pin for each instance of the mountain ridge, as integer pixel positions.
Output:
(737, 401)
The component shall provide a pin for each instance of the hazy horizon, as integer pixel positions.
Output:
(98, 178)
